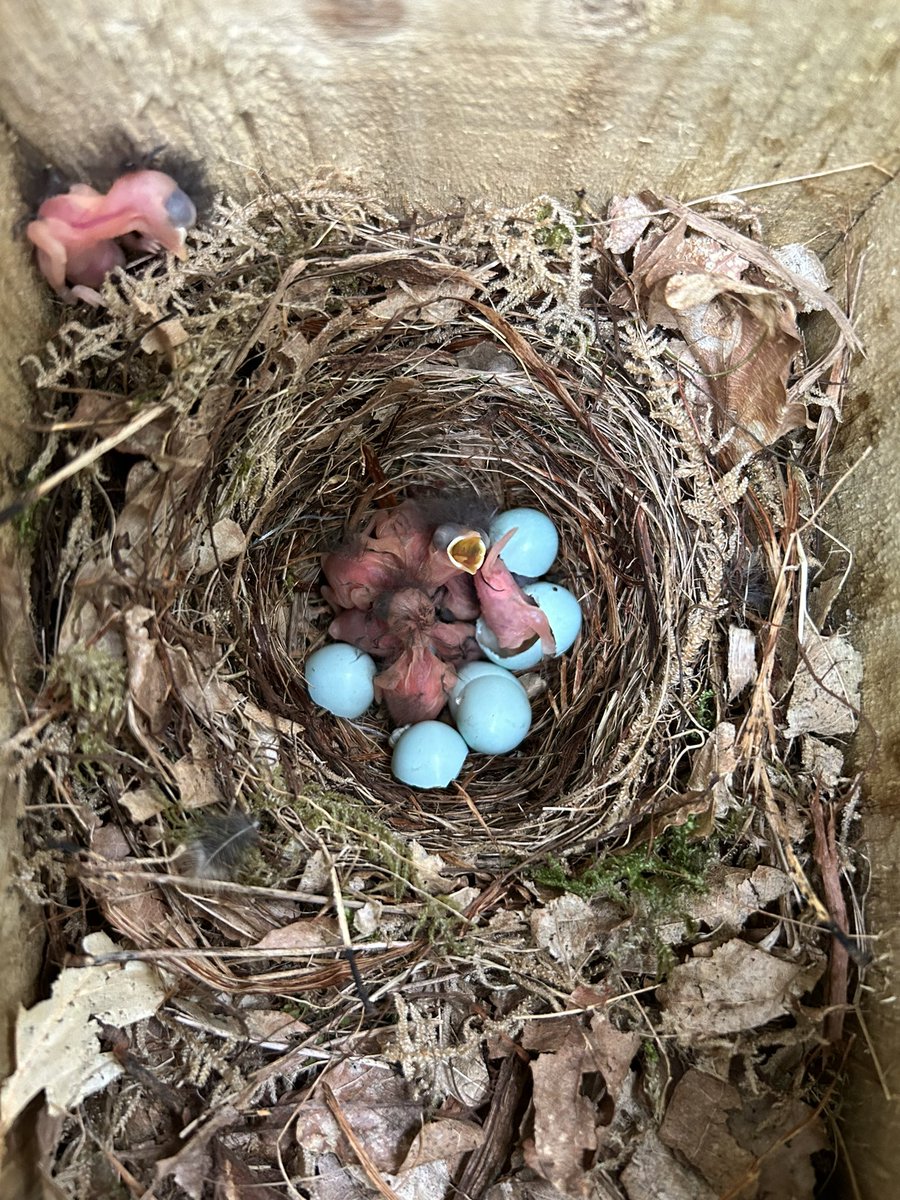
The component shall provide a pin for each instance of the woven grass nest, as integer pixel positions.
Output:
(318, 359)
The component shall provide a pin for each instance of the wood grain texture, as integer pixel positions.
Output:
(867, 514)
(430, 100)
(23, 312)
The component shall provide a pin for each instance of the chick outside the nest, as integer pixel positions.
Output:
(76, 232)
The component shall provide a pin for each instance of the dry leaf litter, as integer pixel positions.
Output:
(615, 963)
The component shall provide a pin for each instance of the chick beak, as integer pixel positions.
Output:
(467, 551)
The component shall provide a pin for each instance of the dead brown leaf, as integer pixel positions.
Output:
(335, 1182)
(696, 1126)
(654, 1173)
(711, 774)
(142, 804)
(823, 761)
(208, 549)
(199, 687)
(565, 927)
(310, 934)
(133, 907)
(737, 987)
(377, 1103)
(147, 683)
(444, 1140)
(564, 1142)
(783, 1134)
(628, 218)
(164, 337)
(432, 304)
(271, 1024)
(197, 783)
(825, 698)
(109, 414)
(565, 1139)
(57, 1047)
(742, 336)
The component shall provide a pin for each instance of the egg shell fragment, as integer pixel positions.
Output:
(494, 715)
(428, 755)
(339, 678)
(533, 547)
(523, 661)
(562, 610)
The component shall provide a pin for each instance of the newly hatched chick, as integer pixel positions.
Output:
(415, 687)
(437, 537)
(358, 572)
(513, 618)
(75, 232)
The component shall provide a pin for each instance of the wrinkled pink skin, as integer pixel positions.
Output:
(513, 617)
(458, 597)
(416, 686)
(410, 617)
(384, 587)
(397, 545)
(454, 643)
(75, 233)
(406, 533)
(357, 574)
(366, 631)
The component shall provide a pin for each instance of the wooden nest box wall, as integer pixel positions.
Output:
(429, 105)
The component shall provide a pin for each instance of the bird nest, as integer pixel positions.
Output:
(317, 360)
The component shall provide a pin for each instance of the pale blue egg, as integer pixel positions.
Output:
(533, 547)
(494, 715)
(472, 671)
(339, 678)
(562, 610)
(523, 661)
(428, 755)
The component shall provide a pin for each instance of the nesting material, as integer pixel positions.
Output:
(638, 376)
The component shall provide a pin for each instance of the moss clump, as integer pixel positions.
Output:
(656, 874)
(28, 523)
(352, 824)
(704, 710)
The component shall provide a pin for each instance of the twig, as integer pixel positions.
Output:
(373, 1175)
(80, 461)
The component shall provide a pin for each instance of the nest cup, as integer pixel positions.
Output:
(401, 411)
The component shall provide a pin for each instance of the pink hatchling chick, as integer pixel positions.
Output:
(457, 596)
(513, 618)
(432, 554)
(358, 573)
(416, 686)
(75, 233)
(454, 642)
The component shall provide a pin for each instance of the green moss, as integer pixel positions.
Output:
(704, 710)
(351, 823)
(29, 522)
(551, 234)
(656, 874)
